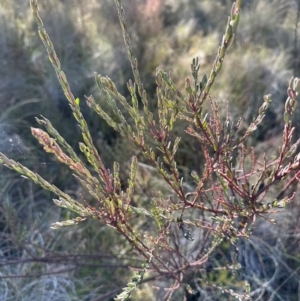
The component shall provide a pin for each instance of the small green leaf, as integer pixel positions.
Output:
(203, 82)
(77, 101)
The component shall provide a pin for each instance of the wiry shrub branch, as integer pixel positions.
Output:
(233, 190)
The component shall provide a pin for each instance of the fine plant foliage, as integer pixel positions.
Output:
(187, 222)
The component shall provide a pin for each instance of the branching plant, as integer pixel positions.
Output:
(234, 188)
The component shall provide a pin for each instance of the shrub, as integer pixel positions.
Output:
(180, 227)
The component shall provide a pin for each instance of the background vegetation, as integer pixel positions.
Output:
(90, 262)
